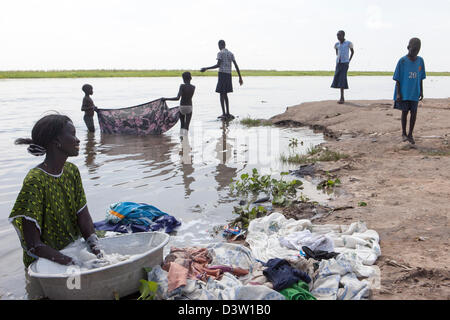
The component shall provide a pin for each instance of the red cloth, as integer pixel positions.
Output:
(188, 263)
(191, 263)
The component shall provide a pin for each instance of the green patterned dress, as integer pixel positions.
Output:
(52, 202)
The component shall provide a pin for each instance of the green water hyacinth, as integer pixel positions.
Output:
(282, 192)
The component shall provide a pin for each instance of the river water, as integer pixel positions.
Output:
(190, 180)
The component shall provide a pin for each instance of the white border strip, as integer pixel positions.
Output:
(52, 175)
(82, 208)
(28, 218)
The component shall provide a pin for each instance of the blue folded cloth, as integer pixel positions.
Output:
(132, 212)
(133, 217)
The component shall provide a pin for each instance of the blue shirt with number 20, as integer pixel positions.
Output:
(409, 73)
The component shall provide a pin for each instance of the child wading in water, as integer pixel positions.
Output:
(88, 107)
(185, 92)
(409, 75)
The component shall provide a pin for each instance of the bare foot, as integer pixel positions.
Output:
(404, 137)
(411, 139)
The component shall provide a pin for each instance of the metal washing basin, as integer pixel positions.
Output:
(103, 283)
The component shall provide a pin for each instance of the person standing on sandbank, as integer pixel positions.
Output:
(342, 48)
(224, 84)
(408, 76)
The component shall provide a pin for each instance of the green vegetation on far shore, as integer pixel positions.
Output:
(177, 73)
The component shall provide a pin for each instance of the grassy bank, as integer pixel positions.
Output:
(177, 73)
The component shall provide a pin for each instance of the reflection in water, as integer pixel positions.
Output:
(186, 166)
(224, 152)
(154, 150)
(90, 152)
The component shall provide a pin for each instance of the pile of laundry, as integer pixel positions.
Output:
(221, 271)
(130, 217)
(343, 255)
(286, 259)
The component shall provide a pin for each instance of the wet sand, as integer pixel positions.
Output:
(406, 187)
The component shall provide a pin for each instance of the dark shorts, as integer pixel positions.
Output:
(340, 76)
(406, 105)
(224, 84)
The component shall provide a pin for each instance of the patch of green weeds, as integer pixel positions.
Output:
(246, 215)
(296, 158)
(304, 199)
(313, 150)
(329, 184)
(314, 154)
(250, 122)
(328, 155)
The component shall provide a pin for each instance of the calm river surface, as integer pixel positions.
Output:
(188, 181)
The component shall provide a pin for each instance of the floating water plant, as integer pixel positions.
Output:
(246, 215)
(280, 190)
(293, 143)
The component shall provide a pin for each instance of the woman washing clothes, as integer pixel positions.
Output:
(51, 210)
(185, 92)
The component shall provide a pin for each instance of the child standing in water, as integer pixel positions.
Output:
(409, 75)
(185, 92)
(88, 107)
(224, 84)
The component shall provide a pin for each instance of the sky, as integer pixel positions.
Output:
(176, 34)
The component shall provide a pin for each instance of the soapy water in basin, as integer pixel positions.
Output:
(86, 260)
(116, 247)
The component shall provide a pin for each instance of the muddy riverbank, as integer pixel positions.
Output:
(400, 190)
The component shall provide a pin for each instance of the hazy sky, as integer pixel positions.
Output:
(177, 34)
